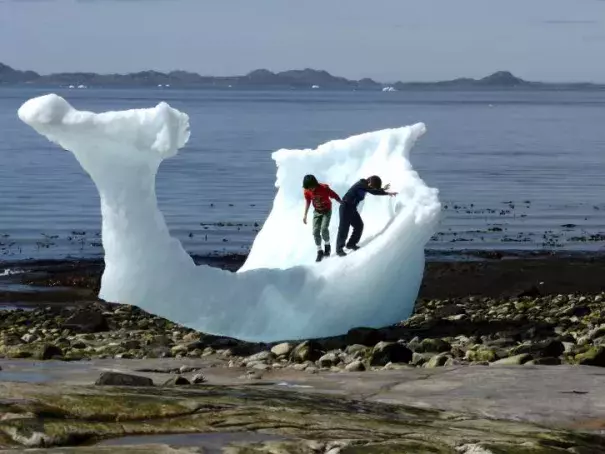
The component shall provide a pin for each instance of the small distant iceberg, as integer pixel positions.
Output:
(389, 89)
(82, 86)
(71, 87)
(315, 86)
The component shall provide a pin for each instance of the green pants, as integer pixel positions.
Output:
(321, 224)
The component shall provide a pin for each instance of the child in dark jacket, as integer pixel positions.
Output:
(349, 216)
(319, 194)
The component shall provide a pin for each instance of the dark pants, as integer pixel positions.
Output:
(349, 217)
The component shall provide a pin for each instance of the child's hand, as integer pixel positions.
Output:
(305, 220)
(387, 186)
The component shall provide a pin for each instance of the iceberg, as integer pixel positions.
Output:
(280, 293)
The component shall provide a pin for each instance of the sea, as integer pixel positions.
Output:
(516, 170)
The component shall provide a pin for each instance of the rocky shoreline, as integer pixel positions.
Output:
(475, 323)
(545, 330)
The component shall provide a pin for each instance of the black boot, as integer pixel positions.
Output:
(340, 253)
(327, 250)
(353, 247)
(320, 255)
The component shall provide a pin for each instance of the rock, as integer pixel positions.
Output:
(547, 348)
(357, 349)
(261, 356)
(119, 379)
(364, 336)
(433, 346)
(186, 369)
(355, 366)
(179, 380)
(192, 337)
(198, 379)
(516, 360)
(179, 349)
(306, 351)
(29, 338)
(86, 321)
(545, 361)
(390, 352)
(593, 357)
(328, 360)
(436, 361)
(481, 355)
(131, 344)
(282, 349)
(47, 351)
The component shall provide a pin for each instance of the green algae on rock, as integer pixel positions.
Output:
(58, 415)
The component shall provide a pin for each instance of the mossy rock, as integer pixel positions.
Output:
(55, 415)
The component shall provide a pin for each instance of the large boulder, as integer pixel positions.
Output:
(119, 379)
(390, 352)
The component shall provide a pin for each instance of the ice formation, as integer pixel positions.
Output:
(280, 293)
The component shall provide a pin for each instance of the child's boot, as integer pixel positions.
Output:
(341, 253)
(327, 250)
(320, 255)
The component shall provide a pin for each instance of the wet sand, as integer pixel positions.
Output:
(490, 274)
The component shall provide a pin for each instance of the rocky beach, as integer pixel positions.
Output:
(482, 328)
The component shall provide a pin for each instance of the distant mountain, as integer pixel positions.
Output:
(262, 78)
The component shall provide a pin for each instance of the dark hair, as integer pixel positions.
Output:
(375, 181)
(310, 182)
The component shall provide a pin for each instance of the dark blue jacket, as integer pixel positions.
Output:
(357, 193)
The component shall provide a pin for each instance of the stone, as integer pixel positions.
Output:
(198, 379)
(547, 348)
(544, 361)
(306, 351)
(179, 380)
(355, 366)
(515, 360)
(120, 379)
(364, 336)
(131, 344)
(48, 351)
(29, 338)
(481, 355)
(390, 352)
(593, 357)
(265, 355)
(86, 321)
(436, 361)
(179, 349)
(328, 360)
(433, 346)
(282, 349)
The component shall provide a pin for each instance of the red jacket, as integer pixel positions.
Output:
(320, 196)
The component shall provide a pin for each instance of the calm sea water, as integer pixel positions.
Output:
(516, 170)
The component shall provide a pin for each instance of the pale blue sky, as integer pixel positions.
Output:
(550, 40)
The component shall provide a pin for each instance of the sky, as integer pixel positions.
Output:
(388, 40)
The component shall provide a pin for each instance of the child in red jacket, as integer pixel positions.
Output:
(319, 194)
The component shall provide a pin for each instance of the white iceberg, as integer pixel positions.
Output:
(389, 89)
(280, 293)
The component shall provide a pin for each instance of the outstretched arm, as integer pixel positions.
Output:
(381, 191)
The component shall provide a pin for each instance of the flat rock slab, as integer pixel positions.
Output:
(503, 407)
(564, 396)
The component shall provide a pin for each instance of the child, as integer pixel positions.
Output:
(349, 216)
(320, 195)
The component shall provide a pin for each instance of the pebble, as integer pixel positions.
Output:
(532, 330)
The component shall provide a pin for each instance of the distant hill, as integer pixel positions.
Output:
(265, 79)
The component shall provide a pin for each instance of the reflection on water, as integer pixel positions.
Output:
(211, 442)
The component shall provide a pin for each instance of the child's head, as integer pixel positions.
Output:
(310, 182)
(375, 182)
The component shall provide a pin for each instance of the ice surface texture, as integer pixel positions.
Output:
(280, 293)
